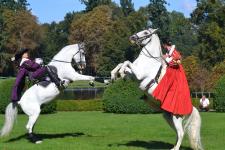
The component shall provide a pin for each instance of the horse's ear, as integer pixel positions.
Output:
(154, 30)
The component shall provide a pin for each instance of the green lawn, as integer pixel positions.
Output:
(105, 131)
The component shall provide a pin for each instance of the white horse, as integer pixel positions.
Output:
(37, 95)
(146, 68)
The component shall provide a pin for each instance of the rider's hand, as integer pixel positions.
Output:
(39, 61)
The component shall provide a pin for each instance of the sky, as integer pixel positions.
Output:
(55, 10)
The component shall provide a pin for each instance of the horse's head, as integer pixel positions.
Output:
(79, 57)
(142, 37)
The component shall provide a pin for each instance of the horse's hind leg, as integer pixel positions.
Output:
(30, 124)
(177, 121)
(169, 119)
(33, 116)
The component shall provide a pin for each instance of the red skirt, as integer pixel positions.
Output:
(173, 92)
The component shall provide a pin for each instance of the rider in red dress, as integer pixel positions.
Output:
(173, 91)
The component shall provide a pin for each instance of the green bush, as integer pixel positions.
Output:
(79, 105)
(124, 96)
(219, 95)
(5, 95)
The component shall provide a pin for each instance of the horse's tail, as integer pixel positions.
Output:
(10, 116)
(193, 126)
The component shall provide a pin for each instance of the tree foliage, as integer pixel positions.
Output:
(197, 76)
(217, 72)
(21, 30)
(18, 29)
(181, 33)
(209, 19)
(105, 34)
(91, 4)
(158, 15)
(90, 28)
(127, 6)
(14, 5)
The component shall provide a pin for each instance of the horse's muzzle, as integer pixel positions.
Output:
(133, 39)
(81, 66)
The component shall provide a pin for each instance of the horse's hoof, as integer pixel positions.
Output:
(91, 83)
(122, 75)
(38, 142)
(34, 139)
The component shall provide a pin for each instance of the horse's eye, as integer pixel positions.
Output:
(146, 33)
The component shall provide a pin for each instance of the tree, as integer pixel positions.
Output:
(6, 67)
(135, 22)
(91, 4)
(182, 33)
(91, 28)
(105, 31)
(217, 72)
(127, 6)
(54, 39)
(197, 76)
(158, 15)
(21, 29)
(209, 19)
(114, 46)
(56, 36)
(14, 5)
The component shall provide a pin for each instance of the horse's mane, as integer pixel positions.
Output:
(65, 50)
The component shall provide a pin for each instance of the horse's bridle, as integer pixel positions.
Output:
(140, 39)
(149, 55)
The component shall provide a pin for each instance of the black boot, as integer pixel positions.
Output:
(54, 77)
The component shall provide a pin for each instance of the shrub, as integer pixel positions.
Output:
(219, 95)
(79, 105)
(5, 95)
(124, 96)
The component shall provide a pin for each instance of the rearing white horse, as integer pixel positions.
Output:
(37, 95)
(146, 68)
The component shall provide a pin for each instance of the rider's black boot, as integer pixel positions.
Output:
(53, 76)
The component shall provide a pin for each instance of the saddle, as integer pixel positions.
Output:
(51, 76)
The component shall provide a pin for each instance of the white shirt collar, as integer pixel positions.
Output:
(171, 50)
(23, 60)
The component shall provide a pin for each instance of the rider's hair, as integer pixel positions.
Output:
(167, 41)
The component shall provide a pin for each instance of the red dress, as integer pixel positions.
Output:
(173, 91)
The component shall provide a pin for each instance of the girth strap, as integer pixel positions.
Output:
(155, 80)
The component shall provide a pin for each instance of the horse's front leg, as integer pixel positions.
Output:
(123, 68)
(129, 67)
(177, 121)
(114, 72)
(78, 76)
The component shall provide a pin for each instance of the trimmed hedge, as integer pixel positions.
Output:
(124, 96)
(79, 105)
(5, 94)
(219, 95)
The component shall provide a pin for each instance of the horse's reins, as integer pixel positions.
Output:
(149, 55)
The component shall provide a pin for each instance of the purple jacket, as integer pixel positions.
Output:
(25, 67)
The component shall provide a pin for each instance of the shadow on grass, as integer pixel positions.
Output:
(151, 145)
(48, 136)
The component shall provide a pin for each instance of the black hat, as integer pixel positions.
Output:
(19, 54)
(167, 41)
